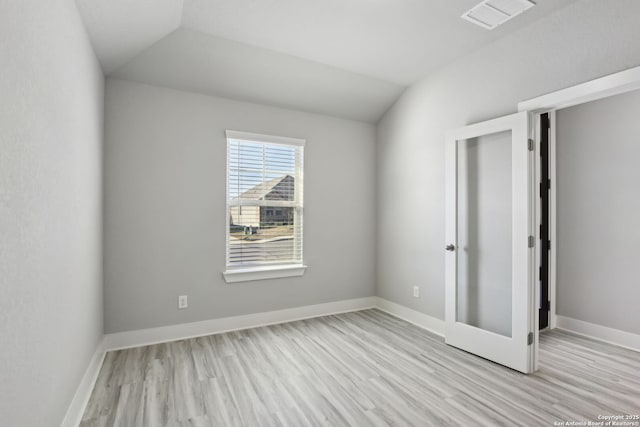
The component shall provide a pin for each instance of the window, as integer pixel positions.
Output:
(264, 206)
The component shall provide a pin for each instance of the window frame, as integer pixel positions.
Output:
(266, 271)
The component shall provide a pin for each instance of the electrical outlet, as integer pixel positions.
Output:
(416, 292)
(182, 302)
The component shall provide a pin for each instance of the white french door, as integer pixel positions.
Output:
(490, 309)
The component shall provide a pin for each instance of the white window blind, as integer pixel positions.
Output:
(264, 200)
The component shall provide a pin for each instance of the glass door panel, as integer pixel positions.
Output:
(484, 232)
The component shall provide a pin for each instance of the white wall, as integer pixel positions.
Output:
(51, 99)
(598, 242)
(165, 159)
(588, 39)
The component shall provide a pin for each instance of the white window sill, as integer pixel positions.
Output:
(261, 273)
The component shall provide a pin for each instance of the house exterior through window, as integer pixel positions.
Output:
(264, 202)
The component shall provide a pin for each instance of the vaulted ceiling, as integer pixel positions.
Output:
(346, 58)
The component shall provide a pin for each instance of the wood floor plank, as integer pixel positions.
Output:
(364, 368)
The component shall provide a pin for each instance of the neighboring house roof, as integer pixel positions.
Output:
(275, 189)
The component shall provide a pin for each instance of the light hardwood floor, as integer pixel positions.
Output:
(365, 368)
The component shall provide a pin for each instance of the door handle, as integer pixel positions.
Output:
(450, 248)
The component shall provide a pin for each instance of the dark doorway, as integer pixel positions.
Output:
(545, 243)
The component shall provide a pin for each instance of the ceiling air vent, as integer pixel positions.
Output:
(491, 13)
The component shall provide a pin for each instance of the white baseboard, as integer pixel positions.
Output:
(129, 339)
(431, 324)
(74, 414)
(600, 333)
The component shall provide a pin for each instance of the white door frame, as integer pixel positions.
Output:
(603, 87)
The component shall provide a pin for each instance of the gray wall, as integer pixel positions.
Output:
(165, 159)
(598, 242)
(583, 41)
(50, 209)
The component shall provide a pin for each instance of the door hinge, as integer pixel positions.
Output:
(530, 338)
(546, 306)
(531, 144)
(544, 186)
(532, 241)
